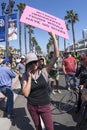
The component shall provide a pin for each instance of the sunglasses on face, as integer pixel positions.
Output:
(33, 62)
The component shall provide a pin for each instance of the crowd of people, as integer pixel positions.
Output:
(36, 74)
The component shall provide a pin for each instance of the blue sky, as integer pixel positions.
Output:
(57, 8)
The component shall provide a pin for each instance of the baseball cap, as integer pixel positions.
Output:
(22, 57)
(6, 60)
(31, 57)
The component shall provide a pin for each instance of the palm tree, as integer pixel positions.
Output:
(3, 7)
(18, 51)
(15, 50)
(57, 37)
(49, 44)
(20, 7)
(64, 38)
(34, 42)
(11, 49)
(25, 38)
(71, 18)
(31, 31)
(2, 51)
(38, 49)
(47, 47)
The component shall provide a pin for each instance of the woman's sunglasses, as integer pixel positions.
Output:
(33, 62)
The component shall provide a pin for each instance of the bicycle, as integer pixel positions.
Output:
(66, 103)
(82, 118)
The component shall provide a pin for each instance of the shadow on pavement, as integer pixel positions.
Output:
(17, 90)
(58, 126)
(21, 121)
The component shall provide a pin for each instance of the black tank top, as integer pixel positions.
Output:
(39, 92)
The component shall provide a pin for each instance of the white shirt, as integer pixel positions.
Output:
(14, 35)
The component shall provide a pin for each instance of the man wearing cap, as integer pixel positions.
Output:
(6, 75)
(12, 31)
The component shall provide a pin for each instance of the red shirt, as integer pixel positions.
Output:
(69, 64)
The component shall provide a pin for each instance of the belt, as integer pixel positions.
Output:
(4, 86)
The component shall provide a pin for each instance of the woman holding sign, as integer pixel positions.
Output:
(35, 88)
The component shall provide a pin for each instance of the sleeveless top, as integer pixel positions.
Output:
(39, 94)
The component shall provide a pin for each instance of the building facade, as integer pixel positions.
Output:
(80, 46)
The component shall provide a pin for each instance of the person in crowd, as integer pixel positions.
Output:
(20, 69)
(12, 31)
(17, 60)
(77, 57)
(35, 88)
(41, 63)
(69, 65)
(6, 76)
(81, 73)
(54, 74)
(1, 58)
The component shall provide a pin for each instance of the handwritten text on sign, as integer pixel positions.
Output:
(44, 21)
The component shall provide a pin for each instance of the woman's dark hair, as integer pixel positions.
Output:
(26, 66)
(29, 64)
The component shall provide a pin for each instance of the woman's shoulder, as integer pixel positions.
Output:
(44, 73)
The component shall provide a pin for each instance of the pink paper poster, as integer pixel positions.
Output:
(45, 21)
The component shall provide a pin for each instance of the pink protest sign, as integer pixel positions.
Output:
(45, 21)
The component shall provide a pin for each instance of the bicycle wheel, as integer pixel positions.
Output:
(82, 118)
(67, 102)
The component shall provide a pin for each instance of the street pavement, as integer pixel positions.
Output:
(23, 121)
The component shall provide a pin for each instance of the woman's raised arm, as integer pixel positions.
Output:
(56, 52)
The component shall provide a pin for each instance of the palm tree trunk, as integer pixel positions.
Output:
(20, 46)
(57, 39)
(64, 44)
(25, 38)
(30, 38)
(73, 36)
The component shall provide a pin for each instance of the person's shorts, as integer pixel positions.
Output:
(53, 78)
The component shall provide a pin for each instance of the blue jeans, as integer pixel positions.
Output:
(75, 81)
(7, 91)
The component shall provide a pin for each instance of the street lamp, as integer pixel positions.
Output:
(3, 7)
(7, 11)
(10, 6)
